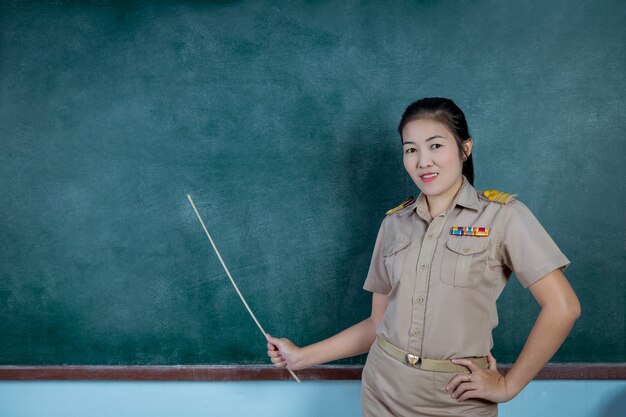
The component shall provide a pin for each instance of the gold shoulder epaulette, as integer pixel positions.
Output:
(405, 203)
(498, 196)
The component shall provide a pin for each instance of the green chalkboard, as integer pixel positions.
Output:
(279, 119)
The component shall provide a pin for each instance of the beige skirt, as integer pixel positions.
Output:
(390, 388)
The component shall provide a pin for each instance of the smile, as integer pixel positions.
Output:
(428, 177)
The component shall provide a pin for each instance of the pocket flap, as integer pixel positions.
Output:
(467, 245)
(395, 246)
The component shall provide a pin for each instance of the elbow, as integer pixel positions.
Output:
(567, 310)
(571, 309)
(572, 306)
(575, 309)
(375, 322)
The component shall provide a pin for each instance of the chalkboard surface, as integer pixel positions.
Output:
(279, 119)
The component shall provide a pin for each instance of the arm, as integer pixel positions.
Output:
(353, 341)
(559, 310)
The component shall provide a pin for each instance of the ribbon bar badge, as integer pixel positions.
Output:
(469, 231)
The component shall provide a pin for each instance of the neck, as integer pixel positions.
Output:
(440, 203)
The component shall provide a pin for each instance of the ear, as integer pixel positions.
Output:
(467, 148)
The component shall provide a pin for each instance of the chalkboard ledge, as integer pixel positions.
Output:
(263, 372)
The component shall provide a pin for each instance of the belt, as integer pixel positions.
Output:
(435, 365)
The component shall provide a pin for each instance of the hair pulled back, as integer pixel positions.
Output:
(446, 112)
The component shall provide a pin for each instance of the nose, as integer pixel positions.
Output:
(423, 160)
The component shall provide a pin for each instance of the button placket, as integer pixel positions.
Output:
(420, 296)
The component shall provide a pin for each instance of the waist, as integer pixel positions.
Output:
(415, 361)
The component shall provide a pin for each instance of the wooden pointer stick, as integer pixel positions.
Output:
(231, 278)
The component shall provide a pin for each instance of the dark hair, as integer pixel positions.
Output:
(444, 111)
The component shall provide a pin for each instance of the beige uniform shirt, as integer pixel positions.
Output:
(442, 289)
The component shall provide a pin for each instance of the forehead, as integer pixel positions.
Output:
(419, 130)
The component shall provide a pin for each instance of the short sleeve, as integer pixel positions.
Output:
(527, 249)
(377, 278)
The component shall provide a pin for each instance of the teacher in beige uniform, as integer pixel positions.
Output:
(439, 264)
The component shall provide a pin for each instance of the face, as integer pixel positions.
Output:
(431, 157)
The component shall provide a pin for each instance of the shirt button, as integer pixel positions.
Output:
(431, 236)
(466, 250)
(423, 266)
(415, 332)
(419, 300)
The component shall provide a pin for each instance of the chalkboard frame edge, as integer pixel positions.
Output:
(553, 371)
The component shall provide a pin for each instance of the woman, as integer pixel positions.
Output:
(440, 262)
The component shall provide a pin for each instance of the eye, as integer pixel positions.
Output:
(435, 146)
(410, 150)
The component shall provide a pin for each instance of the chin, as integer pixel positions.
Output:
(429, 189)
(431, 193)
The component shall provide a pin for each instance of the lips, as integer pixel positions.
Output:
(429, 176)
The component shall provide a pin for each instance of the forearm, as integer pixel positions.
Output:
(353, 341)
(550, 330)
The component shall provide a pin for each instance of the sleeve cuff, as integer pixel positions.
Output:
(528, 278)
(372, 287)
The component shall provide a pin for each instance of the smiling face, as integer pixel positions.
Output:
(432, 158)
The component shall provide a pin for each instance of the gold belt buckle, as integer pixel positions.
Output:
(411, 360)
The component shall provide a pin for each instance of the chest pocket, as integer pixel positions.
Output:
(394, 253)
(464, 260)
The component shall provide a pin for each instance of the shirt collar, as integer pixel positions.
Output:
(466, 197)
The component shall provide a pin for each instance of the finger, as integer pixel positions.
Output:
(271, 346)
(274, 341)
(462, 388)
(456, 381)
(278, 359)
(281, 364)
(273, 353)
(493, 365)
(467, 395)
(469, 363)
(465, 384)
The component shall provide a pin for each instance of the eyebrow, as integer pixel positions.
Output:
(430, 138)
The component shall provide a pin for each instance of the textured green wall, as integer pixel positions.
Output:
(280, 120)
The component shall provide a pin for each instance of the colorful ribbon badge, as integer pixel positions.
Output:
(469, 231)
